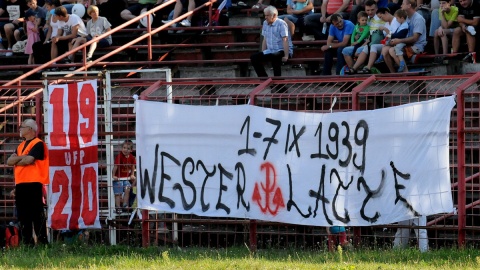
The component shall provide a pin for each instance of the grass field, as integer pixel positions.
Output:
(61, 256)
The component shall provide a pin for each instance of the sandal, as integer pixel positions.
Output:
(365, 70)
(350, 71)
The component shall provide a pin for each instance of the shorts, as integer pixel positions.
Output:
(137, 8)
(400, 47)
(102, 43)
(376, 48)
(2, 28)
(119, 186)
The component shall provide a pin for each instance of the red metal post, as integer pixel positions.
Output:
(461, 204)
(461, 167)
(253, 235)
(145, 232)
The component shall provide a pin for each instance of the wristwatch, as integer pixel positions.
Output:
(329, 46)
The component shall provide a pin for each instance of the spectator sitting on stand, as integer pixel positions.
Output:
(70, 26)
(448, 17)
(392, 29)
(296, 12)
(341, 30)
(179, 9)
(42, 50)
(317, 24)
(136, 9)
(360, 33)
(413, 44)
(469, 20)
(277, 44)
(16, 13)
(111, 9)
(95, 27)
(360, 6)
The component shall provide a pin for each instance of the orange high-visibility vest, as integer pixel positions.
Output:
(35, 172)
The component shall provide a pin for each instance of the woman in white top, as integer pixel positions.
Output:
(95, 27)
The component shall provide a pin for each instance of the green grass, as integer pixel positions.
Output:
(61, 256)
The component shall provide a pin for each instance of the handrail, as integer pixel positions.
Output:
(136, 19)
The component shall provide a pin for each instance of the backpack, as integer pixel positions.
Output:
(9, 236)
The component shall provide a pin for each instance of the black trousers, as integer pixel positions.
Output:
(30, 210)
(258, 60)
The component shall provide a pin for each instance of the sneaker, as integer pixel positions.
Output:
(89, 59)
(241, 4)
(166, 21)
(118, 211)
(186, 23)
(401, 67)
(8, 54)
(470, 58)
(379, 60)
(180, 31)
(71, 68)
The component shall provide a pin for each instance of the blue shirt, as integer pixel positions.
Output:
(273, 35)
(347, 29)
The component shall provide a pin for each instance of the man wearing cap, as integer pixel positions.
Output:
(31, 171)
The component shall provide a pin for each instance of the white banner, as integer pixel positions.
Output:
(349, 168)
(73, 148)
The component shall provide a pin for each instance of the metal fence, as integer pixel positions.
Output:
(313, 94)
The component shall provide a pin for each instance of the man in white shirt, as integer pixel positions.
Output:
(70, 27)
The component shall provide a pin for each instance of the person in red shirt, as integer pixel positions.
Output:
(123, 175)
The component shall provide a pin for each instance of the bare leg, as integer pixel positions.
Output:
(457, 34)
(9, 28)
(444, 44)
(470, 42)
(348, 60)
(191, 6)
(118, 198)
(53, 51)
(91, 50)
(360, 60)
(177, 10)
(127, 15)
(388, 58)
(371, 59)
(436, 41)
(126, 196)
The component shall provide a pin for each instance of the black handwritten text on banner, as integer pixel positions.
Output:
(350, 168)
